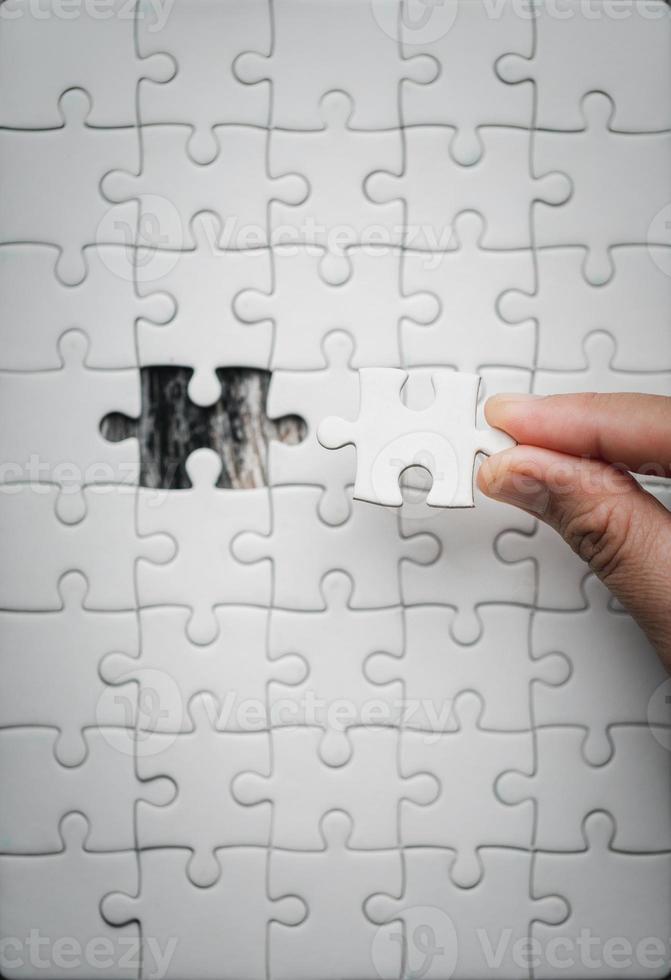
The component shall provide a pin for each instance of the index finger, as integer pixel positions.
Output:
(628, 429)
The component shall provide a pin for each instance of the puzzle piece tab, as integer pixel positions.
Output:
(338, 45)
(55, 434)
(303, 549)
(203, 520)
(389, 437)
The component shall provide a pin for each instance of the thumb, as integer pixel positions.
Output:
(605, 516)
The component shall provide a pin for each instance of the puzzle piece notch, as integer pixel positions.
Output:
(310, 395)
(609, 893)
(49, 898)
(203, 815)
(435, 189)
(466, 816)
(606, 649)
(336, 645)
(389, 437)
(373, 564)
(302, 789)
(433, 905)
(309, 52)
(205, 333)
(55, 53)
(615, 216)
(467, 282)
(598, 47)
(171, 189)
(168, 905)
(79, 215)
(633, 786)
(435, 670)
(191, 515)
(51, 428)
(64, 649)
(601, 375)
(38, 792)
(170, 670)
(567, 308)
(204, 93)
(336, 938)
(336, 214)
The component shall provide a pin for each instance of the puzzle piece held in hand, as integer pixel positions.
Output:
(56, 419)
(389, 437)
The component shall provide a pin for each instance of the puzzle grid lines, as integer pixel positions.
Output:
(315, 188)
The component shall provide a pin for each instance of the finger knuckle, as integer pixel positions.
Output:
(600, 532)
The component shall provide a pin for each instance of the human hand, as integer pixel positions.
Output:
(570, 470)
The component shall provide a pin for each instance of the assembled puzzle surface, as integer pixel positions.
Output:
(281, 733)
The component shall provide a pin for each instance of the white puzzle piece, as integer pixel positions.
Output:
(38, 792)
(368, 787)
(202, 520)
(171, 189)
(606, 649)
(435, 669)
(318, 49)
(312, 395)
(466, 40)
(335, 162)
(464, 924)
(205, 333)
(105, 306)
(467, 282)
(79, 215)
(55, 426)
(614, 898)
(56, 899)
(64, 649)
(204, 815)
(633, 787)
(631, 307)
(466, 814)
(182, 924)
(170, 670)
(434, 189)
(303, 549)
(204, 39)
(53, 49)
(389, 437)
(586, 47)
(600, 375)
(336, 937)
(368, 305)
(600, 214)
(104, 546)
(336, 645)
